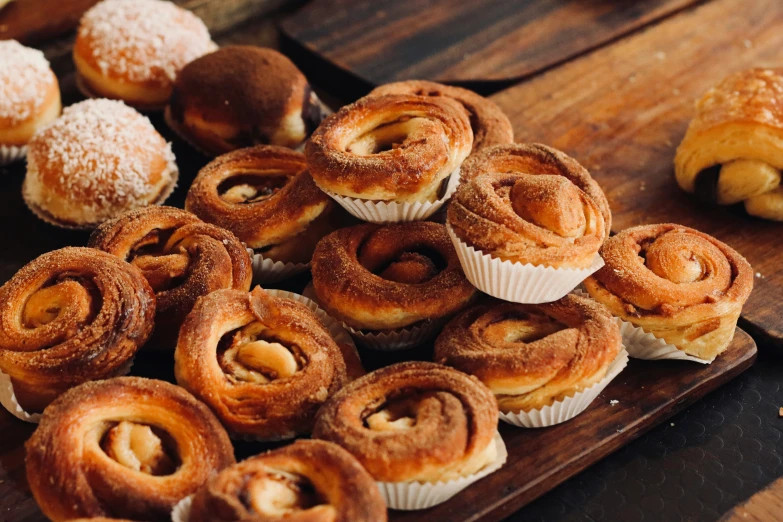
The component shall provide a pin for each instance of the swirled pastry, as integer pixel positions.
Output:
(490, 125)
(263, 364)
(385, 277)
(124, 447)
(308, 481)
(414, 421)
(267, 198)
(391, 148)
(733, 150)
(530, 204)
(532, 355)
(70, 316)
(676, 283)
(182, 257)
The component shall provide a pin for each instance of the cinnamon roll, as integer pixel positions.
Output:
(532, 355)
(308, 481)
(489, 124)
(263, 364)
(124, 447)
(381, 278)
(414, 421)
(267, 198)
(393, 148)
(182, 257)
(70, 316)
(676, 283)
(733, 149)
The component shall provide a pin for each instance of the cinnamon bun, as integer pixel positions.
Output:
(308, 481)
(263, 364)
(532, 355)
(414, 421)
(489, 124)
(71, 316)
(733, 149)
(182, 257)
(124, 447)
(676, 283)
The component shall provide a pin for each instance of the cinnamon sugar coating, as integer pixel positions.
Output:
(384, 277)
(263, 364)
(412, 421)
(69, 469)
(70, 316)
(182, 257)
(532, 355)
(490, 125)
(307, 481)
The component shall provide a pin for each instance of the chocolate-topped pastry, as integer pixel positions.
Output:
(240, 96)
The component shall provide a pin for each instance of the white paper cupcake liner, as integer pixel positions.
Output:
(181, 511)
(410, 496)
(570, 407)
(392, 211)
(517, 282)
(267, 270)
(11, 154)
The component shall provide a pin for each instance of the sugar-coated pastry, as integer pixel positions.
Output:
(29, 94)
(532, 355)
(123, 447)
(308, 481)
(414, 421)
(263, 364)
(70, 316)
(490, 125)
(132, 50)
(676, 283)
(390, 148)
(266, 197)
(182, 257)
(733, 150)
(241, 96)
(99, 159)
(530, 204)
(384, 277)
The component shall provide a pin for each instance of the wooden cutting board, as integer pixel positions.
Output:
(647, 393)
(764, 506)
(381, 41)
(622, 111)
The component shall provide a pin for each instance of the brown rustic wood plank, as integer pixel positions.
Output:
(461, 40)
(623, 110)
(764, 506)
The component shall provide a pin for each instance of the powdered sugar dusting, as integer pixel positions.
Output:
(144, 40)
(25, 78)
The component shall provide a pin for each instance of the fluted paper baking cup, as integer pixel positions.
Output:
(11, 154)
(267, 270)
(87, 92)
(517, 282)
(570, 407)
(181, 511)
(393, 211)
(410, 496)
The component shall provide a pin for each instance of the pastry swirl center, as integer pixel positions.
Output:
(251, 358)
(65, 299)
(138, 447)
(279, 493)
(248, 187)
(550, 202)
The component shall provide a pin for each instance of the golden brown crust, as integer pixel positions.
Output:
(531, 204)
(182, 257)
(70, 316)
(532, 355)
(490, 125)
(264, 365)
(394, 147)
(72, 475)
(384, 277)
(676, 282)
(308, 481)
(265, 196)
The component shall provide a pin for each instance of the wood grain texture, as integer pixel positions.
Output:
(764, 506)
(623, 110)
(648, 393)
(380, 41)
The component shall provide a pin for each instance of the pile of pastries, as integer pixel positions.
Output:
(420, 219)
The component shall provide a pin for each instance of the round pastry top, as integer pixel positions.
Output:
(141, 40)
(25, 81)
